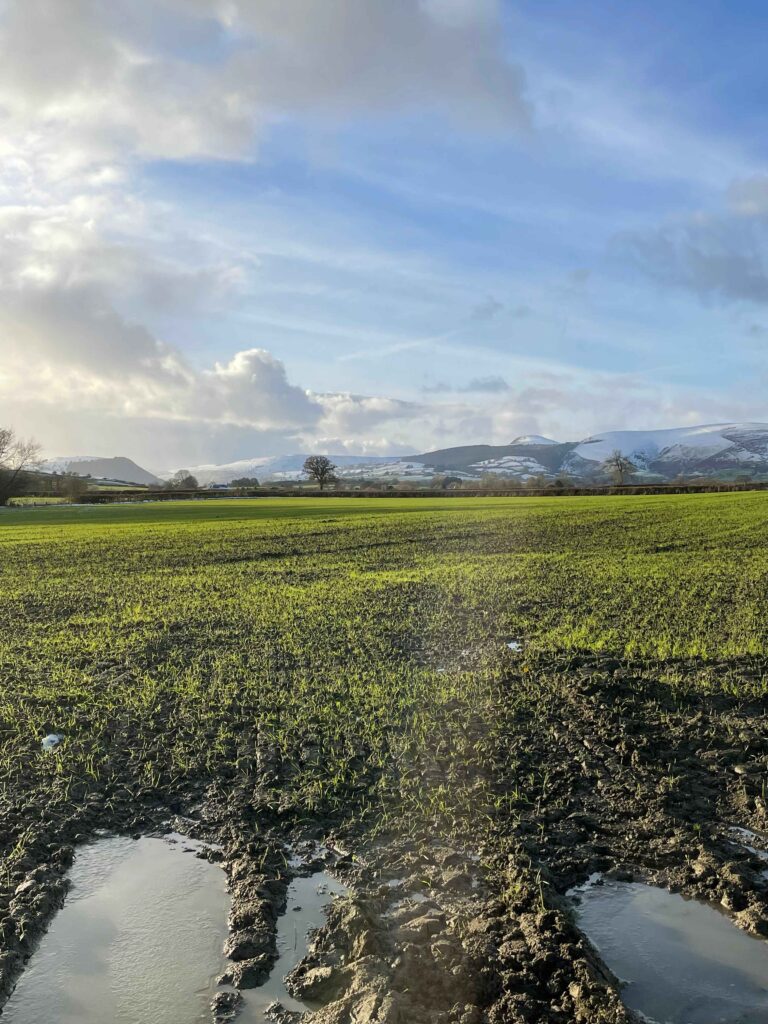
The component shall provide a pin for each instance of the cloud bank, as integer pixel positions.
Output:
(109, 290)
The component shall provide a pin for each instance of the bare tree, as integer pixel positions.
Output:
(74, 487)
(619, 466)
(17, 457)
(182, 480)
(320, 469)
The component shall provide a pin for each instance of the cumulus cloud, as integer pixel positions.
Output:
(88, 89)
(92, 270)
(66, 347)
(127, 76)
(72, 350)
(346, 414)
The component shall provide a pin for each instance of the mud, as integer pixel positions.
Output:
(605, 766)
(308, 899)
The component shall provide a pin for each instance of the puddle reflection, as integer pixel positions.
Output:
(683, 962)
(140, 938)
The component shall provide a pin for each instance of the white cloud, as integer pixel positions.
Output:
(90, 87)
(125, 77)
(89, 266)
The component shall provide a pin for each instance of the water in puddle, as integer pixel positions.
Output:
(683, 962)
(139, 939)
(752, 841)
(308, 899)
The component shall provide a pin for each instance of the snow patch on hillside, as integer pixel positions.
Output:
(645, 446)
(512, 465)
(533, 439)
(61, 462)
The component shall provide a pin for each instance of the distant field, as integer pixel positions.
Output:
(426, 667)
(24, 502)
(658, 576)
(354, 621)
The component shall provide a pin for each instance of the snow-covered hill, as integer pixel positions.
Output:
(700, 450)
(533, 439)
(282, 467)
(723, 450)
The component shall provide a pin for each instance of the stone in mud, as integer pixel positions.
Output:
(248, 973)
(252, 914)
(246, 945)
(225, 1006)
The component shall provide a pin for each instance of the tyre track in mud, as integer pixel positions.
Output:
(635, 778)
(624, 775)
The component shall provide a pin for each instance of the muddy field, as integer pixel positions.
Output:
(460, 713)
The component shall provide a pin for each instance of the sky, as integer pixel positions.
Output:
(238, 228)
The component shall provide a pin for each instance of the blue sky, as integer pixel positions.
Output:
(235, 228)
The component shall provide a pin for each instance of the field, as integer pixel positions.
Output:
(554, 686)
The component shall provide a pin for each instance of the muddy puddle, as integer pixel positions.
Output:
(680, 961)
(140, 939)
(307, 899)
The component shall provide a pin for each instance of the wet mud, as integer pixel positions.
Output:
(609, 769)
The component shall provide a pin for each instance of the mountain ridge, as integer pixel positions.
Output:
(724, 450)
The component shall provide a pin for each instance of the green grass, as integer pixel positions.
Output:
(30, 501)
(248, 509)
(355, 637)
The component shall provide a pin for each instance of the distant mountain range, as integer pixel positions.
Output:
(723, 450)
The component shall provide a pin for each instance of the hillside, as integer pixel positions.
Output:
(115, 468)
